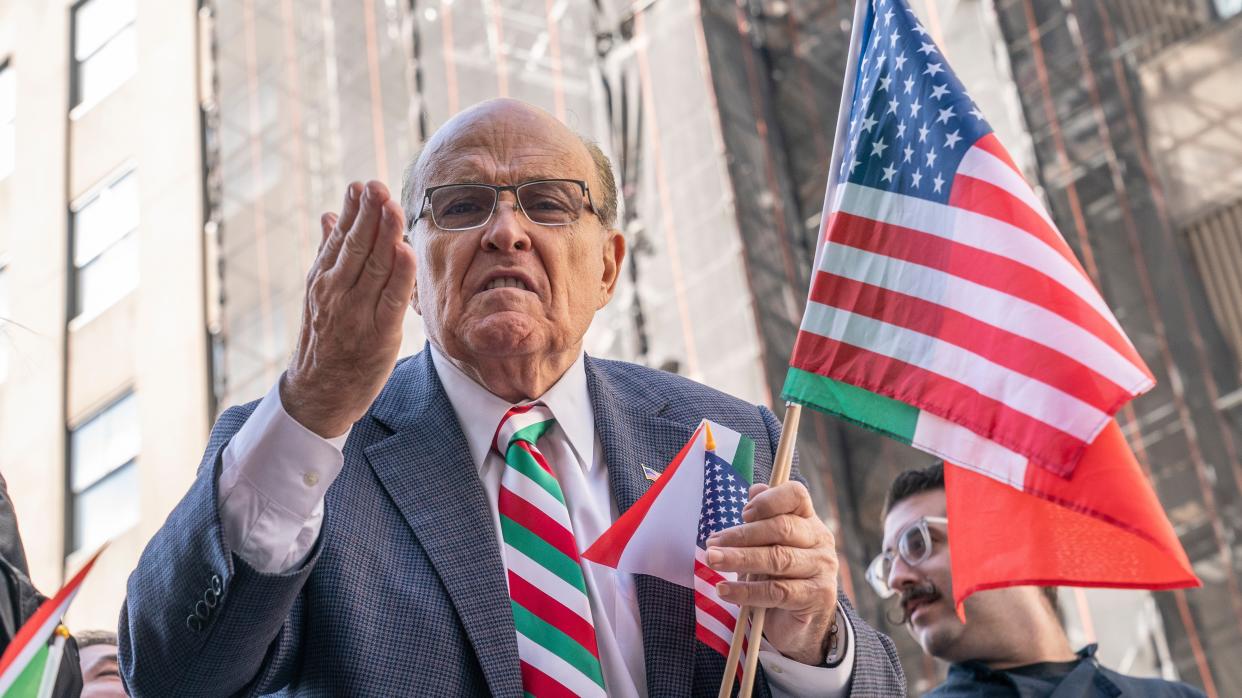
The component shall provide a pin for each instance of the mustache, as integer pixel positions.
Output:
(925, 591)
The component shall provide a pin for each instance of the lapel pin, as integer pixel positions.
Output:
(649, 472)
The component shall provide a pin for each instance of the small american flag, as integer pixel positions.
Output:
(725, 492)
(665, 535)
(943, 284)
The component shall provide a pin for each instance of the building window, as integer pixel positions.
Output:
(105, 246)
(105, 52)
(1216, 241)
(8, 119)
(103, 475)
(5, 310)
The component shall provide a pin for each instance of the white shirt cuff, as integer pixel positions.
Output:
(274, 475)
(789, 678)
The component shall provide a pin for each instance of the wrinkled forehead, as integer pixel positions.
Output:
(506, 148)
(909, 510)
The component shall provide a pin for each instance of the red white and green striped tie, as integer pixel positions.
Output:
(547, 590)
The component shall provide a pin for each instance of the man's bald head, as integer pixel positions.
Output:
(510, 119)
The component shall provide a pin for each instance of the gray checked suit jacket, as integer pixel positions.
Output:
(404, 593)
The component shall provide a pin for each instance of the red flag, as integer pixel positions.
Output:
(1100, 527)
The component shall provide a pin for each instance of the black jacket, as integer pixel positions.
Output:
(1083, 678)
(19, 599)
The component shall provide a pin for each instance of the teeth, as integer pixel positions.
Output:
(506, 282)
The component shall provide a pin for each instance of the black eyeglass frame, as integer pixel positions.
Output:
(423, 210)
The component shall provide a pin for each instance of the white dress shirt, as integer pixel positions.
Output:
(276, 472)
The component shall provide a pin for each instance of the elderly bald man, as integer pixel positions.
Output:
(367, 530)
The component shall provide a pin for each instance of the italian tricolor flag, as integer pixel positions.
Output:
(31, 662)
(1014, 523)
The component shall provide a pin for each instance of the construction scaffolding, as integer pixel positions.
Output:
(1078, 66)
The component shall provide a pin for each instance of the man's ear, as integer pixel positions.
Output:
(614, 256)
(414, 293)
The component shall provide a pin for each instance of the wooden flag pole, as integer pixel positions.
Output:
(735, 651)
(781, 468)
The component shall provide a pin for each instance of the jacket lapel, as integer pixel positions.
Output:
(426, 468)
(633, 434)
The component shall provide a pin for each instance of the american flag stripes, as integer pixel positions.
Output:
(942, 283)
(725, 492)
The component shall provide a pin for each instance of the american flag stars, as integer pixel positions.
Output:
(911, 119)
(724, 495)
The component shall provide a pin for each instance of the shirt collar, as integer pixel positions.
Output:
(979, 669)
(479, 411)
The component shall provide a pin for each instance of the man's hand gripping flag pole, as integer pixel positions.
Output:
(780, 475)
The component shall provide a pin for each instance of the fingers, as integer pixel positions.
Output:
(378, 266)
(776, 561)
(331, 246)
(767, 502)
(353, 201)
(786, 529)
(394, 299)
(361, 236)
(327, 223)
(780, 593)
(790, 553)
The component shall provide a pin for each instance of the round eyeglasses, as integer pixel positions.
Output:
(914, 545)
(550, 202)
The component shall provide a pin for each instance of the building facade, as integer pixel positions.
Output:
(234, 123)
(103, 398)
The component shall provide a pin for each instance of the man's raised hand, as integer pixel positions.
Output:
(357, 293)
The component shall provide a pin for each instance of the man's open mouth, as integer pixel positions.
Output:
(505, 282)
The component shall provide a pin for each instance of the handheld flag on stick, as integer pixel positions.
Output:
(947, 312)
(665, 533)
(29, 665)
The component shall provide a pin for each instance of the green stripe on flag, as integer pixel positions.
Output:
(526, 464)
(542, 552)
(26, 685)
(557, 642)
(892, 417)
(744, 459)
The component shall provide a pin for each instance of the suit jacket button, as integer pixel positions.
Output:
(217, 585)
(193, 623)
(210, 598)
(201, 610)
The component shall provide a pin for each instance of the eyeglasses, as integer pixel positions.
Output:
(914, 545)
(549, 202)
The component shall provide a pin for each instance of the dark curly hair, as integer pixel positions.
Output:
(920, 480)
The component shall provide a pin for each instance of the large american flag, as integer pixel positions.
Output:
(725, 492)
(941, 281)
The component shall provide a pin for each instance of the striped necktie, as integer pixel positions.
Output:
(547, 590)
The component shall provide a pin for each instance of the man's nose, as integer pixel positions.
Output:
(507, 228)
(902, 575)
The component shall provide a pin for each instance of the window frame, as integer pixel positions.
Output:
(77, 314)
(78, 104)
(71, 496)
(6, 65)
